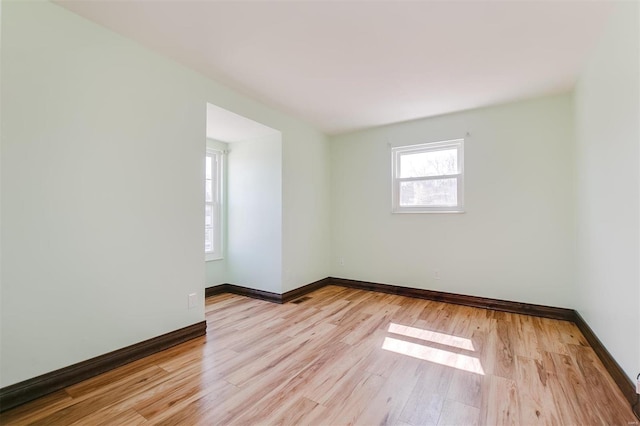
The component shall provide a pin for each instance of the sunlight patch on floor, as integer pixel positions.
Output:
(432, 336)
(438, 356)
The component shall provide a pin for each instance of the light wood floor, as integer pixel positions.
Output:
(348, 356)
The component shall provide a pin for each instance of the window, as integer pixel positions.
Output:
(213, 205)
(428, 177)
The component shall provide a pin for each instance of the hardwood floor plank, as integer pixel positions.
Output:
(548, 335)
(34, 410)
(361, 388)
(207, 405)
(535, 400)
(347, 356)
(101, 398)
(598, 385)
(292, 413)
(568, 381)
(113, 416)
(455, 413)
(183, 387)
(426, 400)
(255, 392)
(502, 348)
(388, 404)
(500, 402)
(570, 334)
(281, 396)
(290, 350)
(466, 388)
(525, 333)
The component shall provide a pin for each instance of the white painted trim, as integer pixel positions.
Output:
(396, 153)
(218, 206)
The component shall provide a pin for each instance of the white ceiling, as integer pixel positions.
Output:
(345, 65)
(226, 126)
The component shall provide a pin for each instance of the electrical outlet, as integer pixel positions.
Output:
(192, 300)
(638, 384)
(341, 261)
(436, 274)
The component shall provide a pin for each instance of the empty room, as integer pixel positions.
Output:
(319, 212)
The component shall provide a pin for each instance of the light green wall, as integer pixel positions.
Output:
(102, 190)
(515, 240)
(254, 243)
(101, 174)
(305, 213)
(607, 152)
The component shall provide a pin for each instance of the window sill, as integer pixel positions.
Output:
(427, 211)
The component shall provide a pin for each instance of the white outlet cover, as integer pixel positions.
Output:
(192, 300)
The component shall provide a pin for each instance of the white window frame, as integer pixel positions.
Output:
(396, 154)
(217, 157)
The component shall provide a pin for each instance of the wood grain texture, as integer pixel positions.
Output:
(266, 295)
(615, 371)
(28, 390)
(588, 336)
(348, 356)
(461, 299)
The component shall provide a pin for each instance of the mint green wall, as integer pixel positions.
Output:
(515, 240)
(254, 243)
(608, 188)
(306, 210)
(102, 190)
(101, 178)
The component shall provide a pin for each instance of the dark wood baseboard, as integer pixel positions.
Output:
(266, 295)
(243, 291)
(461, 299)
(614, 369)
(256, 294)
(301, 291)
(28, 390)
(617, 373)
(439, 296)
(216, 289)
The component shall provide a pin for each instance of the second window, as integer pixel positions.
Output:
(428, 177)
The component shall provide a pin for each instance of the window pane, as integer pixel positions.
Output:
(208, 215)
(208, 239)
(208, 188)
(430, 163)
(208, 167)
(433, 193)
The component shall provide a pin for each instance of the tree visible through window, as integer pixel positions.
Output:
(213, 205)
(428, 177)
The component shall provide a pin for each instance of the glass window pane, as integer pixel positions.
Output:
(208, 215)
(208, 239)
(432, 193)
(208, 188)
(208, 167)
(430, 163)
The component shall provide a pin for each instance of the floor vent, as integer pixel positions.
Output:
(302, 299)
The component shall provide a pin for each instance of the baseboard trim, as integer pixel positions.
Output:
(461, 299)
(28, 390)
(613, 368)
(615, 371)
(216, 289)
(301, 291)
(243, 291)
(266, 295)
